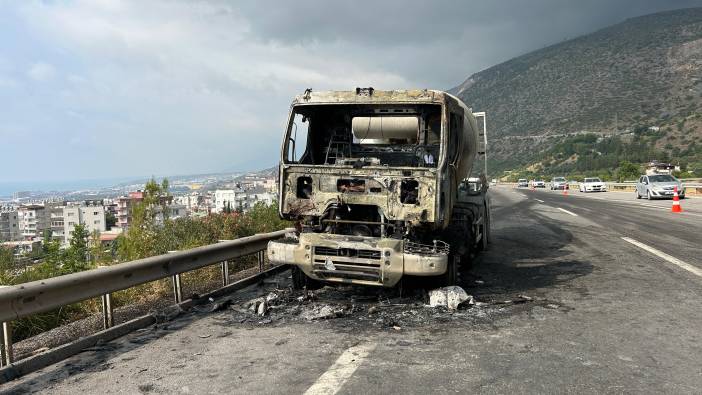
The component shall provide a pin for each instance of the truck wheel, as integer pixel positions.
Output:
(300, 280)
(485, 232)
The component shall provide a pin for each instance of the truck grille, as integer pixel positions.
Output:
(347, 252)
(349, 264)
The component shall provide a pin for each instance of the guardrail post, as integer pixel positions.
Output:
(108, 318)
(225, 273)
(260, 261)
(6, 346)
(177, 288)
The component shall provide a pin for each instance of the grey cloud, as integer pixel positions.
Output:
(209, 82)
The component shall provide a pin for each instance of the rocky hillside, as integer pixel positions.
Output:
(645, 71)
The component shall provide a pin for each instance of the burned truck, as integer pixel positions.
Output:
(377, 184)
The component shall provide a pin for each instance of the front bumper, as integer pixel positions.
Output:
(356, 260)
(595, 189)
(665, 194)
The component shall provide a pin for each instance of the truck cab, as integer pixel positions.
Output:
(373, 180)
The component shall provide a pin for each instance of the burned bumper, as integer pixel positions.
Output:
(359, 260)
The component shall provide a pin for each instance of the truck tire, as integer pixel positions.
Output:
(485, 231)
(451, 275)
(300, 280)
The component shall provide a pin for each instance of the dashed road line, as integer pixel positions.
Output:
(567, 212)
(539, 200)
(334, 378)
(675, 261)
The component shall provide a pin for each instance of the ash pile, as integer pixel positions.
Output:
(355, 307)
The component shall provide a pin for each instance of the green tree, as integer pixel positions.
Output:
(76, 258)
(140, 239)
(628, 171)
(110, 220)
(97, 254)
(7, 266)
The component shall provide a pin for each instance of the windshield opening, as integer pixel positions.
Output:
(392, 135)
(593, 180)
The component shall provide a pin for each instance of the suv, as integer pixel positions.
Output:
(658, 186)
(522, 183)
(558, 183)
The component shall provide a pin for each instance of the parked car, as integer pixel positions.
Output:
(538, 183)
(558, 183)
(658, 186)
(494, 181)
(522, 183)
(593, 184)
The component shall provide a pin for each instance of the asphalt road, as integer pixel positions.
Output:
(567, 305)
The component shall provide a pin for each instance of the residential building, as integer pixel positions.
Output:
(192, 201)
(124, 208)
(177, 211)
(33, 220)
(225, 199)
(240, 199)
(125, 204)
(92, 217)
(57, 224)
(9, 225)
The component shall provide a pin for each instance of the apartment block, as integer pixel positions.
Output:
(33, 220)
(92, 217)
(9, 225)
(56, 223)
(124, 208)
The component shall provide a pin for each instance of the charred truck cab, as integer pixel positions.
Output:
(376, 181)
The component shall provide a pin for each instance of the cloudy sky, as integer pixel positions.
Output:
(99, 89)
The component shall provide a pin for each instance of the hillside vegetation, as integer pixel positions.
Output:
(644, 72)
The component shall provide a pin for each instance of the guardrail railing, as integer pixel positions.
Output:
(40, 296)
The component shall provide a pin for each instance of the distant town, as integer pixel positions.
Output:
(28, 217)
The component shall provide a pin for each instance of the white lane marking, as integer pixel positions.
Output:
(567, 212)
(675, 261)
(334, 378)
(539, 200)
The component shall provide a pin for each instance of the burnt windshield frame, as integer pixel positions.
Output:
(335, 119)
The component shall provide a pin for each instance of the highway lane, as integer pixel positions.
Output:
(567, 306)
(650, 222)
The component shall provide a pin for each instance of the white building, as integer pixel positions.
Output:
(93, 217)
(240, 200)
(229, 198)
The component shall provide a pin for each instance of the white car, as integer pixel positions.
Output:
(538, 184)
(593, 184)
(558, 183)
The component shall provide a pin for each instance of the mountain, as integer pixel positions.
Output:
(645, 72)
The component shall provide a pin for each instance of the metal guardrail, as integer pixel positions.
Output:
(40, 296)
